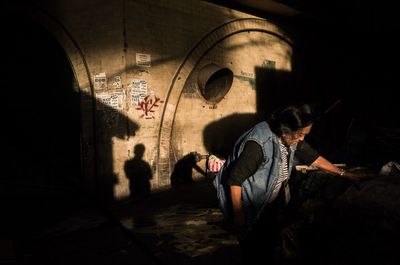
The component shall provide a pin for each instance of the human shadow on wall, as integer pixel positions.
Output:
(220, 136)
(139, 174)
(183, 169)
(110, 123)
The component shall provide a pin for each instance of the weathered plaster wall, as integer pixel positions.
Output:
(242, 52)
(141, 102)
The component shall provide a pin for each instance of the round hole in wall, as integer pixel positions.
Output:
(214, 82)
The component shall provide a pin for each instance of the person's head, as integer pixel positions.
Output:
(292, 123)
(139, 150)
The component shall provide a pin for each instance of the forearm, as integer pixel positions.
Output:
(236, 198)
(324, 164)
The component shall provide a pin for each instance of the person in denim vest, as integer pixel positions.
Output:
(252, 187)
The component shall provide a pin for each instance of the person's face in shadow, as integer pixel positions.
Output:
(295, 137)
(139, 150)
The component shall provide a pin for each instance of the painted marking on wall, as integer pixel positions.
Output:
(247, 77)
(247, 74)
(148, 106)
(250, 77)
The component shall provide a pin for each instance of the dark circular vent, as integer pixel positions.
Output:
(214, 82)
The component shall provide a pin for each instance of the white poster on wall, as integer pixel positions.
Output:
(139, 91)
(100, 81)
(143, 59)
(109, 101)
(117, 83)
(110, 105)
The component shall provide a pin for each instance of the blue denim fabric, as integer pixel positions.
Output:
(257, 189)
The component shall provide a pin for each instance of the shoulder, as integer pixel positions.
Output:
(262, 127)
(260, 133)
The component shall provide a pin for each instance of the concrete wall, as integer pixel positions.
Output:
(149, 109)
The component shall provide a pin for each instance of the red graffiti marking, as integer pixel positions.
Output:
(147, 105)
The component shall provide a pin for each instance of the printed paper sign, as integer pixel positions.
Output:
(110, 105)
(117, 82)
(100, 81)
(139, 91)
(143, 59)
(109, 101)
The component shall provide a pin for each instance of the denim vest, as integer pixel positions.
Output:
(257, 189)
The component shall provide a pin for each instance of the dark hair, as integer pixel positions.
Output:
(290, 119)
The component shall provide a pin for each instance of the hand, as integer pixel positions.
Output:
(353, 176)
(238, 222)
(238, 218)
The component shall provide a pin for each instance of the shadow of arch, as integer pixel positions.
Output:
(64, 56)
(164, 169)
(21, 11)
(42, 140)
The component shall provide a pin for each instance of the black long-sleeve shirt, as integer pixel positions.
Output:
(252, 157)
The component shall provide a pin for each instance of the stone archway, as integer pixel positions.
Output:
(184, 71)
(81, 73)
